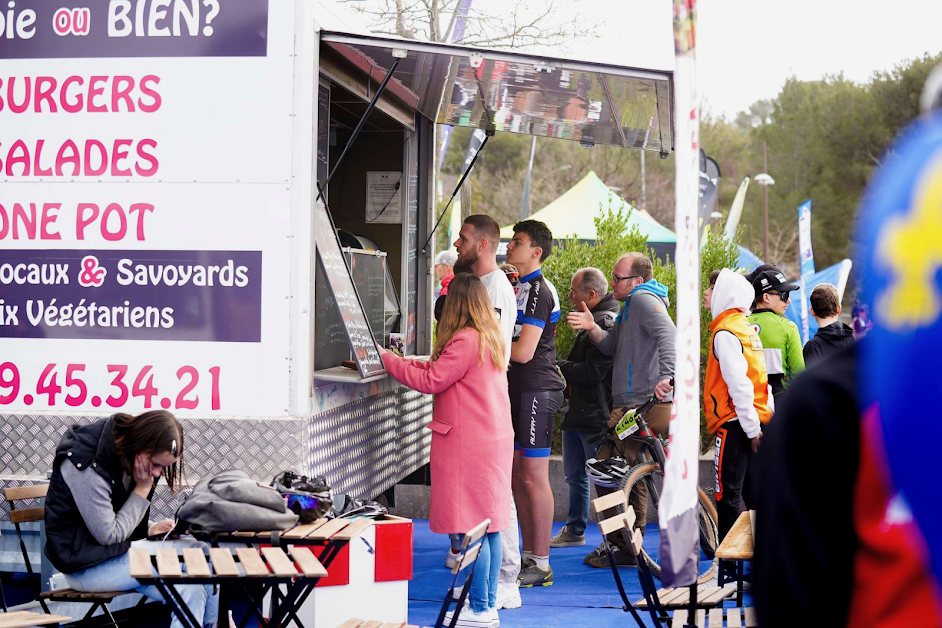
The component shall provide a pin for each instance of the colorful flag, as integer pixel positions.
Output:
(806, 260)
(677, 511)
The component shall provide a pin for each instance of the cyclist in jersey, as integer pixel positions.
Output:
(536, 395)
(779, 336)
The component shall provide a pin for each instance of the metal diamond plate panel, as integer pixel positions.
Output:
(363, 447)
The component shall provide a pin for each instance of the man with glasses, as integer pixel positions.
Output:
(780, 337)
(642, 342)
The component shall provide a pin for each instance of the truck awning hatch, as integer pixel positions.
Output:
(506, 91)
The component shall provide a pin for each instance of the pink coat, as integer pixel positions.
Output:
(472, 434)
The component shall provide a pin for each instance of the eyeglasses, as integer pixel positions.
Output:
(620, 279)
(782, 295)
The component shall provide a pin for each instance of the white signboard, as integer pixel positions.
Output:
(383, 198)
(146, 158)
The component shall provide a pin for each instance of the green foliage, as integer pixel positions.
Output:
(614, 240)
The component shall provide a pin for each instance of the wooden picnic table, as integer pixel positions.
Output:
(331, 534)
(245, 567)
(738, 548)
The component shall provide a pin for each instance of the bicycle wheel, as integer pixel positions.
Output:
(651, 475)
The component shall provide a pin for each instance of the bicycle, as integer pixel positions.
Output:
(648, 468)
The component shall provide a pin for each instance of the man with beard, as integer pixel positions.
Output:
(477, 249)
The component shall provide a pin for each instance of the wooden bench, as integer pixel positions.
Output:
(737, 548)
(271, 567)
(655, 601)
(23, 619)
(18, 516)
(734, 618)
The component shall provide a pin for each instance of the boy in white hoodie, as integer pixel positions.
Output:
(736, 397)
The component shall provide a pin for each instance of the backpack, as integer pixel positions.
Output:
(232, 501)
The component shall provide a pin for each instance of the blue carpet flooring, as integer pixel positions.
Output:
(580, 594)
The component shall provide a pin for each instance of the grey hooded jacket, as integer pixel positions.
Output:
(643, 346)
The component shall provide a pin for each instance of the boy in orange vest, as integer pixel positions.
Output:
(736, 398)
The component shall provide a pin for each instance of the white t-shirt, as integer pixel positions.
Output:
(502, 297)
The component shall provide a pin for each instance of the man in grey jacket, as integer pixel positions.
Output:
(642, 342)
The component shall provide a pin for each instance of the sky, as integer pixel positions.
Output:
(746, 49)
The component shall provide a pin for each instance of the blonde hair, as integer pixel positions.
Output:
(468, 306)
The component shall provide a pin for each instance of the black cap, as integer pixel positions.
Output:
(772, 279)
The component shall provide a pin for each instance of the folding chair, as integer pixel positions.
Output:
(626, 521)
(96, 600)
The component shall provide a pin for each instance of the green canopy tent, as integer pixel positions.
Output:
(573, 214)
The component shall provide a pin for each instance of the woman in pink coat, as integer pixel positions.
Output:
(472, 434)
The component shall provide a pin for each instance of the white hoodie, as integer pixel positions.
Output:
(733, 291)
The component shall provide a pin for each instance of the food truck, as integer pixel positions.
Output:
(216, 208)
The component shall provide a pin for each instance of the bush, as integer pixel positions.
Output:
(614, 240)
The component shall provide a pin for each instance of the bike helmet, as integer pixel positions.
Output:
(607, 473)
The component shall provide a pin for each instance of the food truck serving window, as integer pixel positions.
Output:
(374, 198)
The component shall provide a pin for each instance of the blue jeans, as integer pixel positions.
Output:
(115, 575)
(576, 450)
(483, 592)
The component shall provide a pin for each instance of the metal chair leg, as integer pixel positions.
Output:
(3, 598)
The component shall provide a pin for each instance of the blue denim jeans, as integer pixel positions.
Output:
(115, 575)
(483, 592)
(576, 450)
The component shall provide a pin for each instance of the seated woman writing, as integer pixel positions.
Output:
(103, 479)
(472, 436)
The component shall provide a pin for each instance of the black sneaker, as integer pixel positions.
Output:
(598, 551)
(531, 576)
(623, 558)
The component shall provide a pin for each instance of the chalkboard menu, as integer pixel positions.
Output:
(369, 277)
(334, 272)
(323, 133)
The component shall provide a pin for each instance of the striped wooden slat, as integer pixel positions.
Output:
(196, 565)
(223, 563)
(29, 514)
(607, 526)
(140, 564)
(35, 491)
(713, 595)
(251, 562)
(388, 625)
(372, 624)
(351, 623)
(680, 618)
(476, 533)
(637, 541)
(279, 562)
(308, 562)
(22, 619)
(168, 563)
(715, 618)
(353, 530)
(246, 535)
(701, 618)
(749, 617)
(329, 529)
(605, 502)
(301, 531)
(468, 559)
(733, 618)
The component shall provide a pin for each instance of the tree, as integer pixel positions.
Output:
(511, 24)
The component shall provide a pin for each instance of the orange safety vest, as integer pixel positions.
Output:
(717, 403)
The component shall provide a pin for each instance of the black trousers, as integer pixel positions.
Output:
(733, 460)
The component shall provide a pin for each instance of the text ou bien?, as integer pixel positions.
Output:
(203, 276)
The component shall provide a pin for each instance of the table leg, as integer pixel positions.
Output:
(288, 607)
(256, 604)
(177, 604)
(739, 582)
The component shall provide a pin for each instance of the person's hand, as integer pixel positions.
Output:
(161, 528)
(662, 389)
(382, 351)
(755, 442)
(143, 476)
(581, 318)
